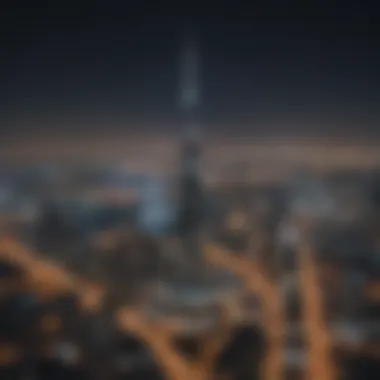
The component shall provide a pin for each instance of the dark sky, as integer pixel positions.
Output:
(93, 66)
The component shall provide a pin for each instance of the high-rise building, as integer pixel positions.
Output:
(190, 198)
(194, 290)
(156, 216)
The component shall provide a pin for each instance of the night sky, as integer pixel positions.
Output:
(278, 66)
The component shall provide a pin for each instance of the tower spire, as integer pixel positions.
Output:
(189, 74)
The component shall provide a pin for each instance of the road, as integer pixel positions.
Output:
(320, 364)
(273, 310)
(49, 278)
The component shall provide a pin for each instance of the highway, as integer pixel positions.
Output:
(47, 278)
(320, 364)
(50, 279)
(273, 314)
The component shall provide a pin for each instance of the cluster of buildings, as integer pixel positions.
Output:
(115, 228)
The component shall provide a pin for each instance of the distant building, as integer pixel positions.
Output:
(309, 198)
(156, 210)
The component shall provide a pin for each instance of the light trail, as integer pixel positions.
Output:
(320, 363)
(257, 283)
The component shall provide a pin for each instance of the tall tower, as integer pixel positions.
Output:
(197, 286)
(190, 199)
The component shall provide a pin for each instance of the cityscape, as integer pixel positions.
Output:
(208, 259)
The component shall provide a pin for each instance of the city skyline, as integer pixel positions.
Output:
(281, 68)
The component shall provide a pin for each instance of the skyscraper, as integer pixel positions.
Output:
(193, 291)
(190, 199)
